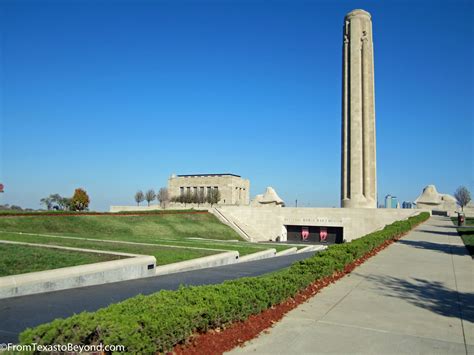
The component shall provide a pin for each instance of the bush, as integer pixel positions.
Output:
(147, 324)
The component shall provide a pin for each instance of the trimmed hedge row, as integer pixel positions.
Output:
(147, 324)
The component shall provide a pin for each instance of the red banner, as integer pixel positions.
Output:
(304, 233)
(323, 234)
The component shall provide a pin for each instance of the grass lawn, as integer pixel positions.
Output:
(163, 255)
(19, 259)
(467, 234)
(146, 228)
(167, 230)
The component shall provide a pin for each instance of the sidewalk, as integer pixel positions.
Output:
(415, 297)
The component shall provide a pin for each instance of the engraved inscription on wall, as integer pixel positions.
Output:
(310, 220)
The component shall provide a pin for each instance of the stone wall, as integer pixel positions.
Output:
(270, 223)
(233, 189)
(170, 206)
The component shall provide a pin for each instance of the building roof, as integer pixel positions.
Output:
(225, 174)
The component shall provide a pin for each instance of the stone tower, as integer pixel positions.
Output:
(358, 163)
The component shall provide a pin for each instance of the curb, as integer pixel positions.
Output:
(287, 251)
(230, 257)
(311, 248)
(269, 253)
(77, 276)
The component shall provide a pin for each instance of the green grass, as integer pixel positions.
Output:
(163, 255)
(155, 323)
(19, 259)
(165, 229)
(147, 228)
(467, 234)
(81, 213)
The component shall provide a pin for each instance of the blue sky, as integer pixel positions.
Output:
(114, 96)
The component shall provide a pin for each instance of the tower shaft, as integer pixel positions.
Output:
(358, 160)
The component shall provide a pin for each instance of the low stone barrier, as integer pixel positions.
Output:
(134, 267)
(288, 251)
(269, 253)
(311, 248)
(220, 259)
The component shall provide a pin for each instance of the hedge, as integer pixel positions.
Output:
(147, 324)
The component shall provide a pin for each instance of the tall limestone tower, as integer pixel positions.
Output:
(358, 180)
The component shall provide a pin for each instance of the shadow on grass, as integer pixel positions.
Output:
(430, 295)
(442, 248)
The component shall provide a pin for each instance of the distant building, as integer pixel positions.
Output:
(391, 202)
(407, 204)
(233, 189)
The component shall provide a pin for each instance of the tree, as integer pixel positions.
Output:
(150, 196)
(163, 197)
(201, 197)
(80, 200)
(46, 201)
(62, 203)
(195, 197)
(56, 202)
(463, 196)
(188, 198)
(139, 197)
(214, 196)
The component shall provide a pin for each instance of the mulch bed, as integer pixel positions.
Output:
(219, 341)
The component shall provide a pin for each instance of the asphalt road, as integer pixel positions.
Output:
(19, 313)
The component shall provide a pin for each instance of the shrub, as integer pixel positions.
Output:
(147, 324)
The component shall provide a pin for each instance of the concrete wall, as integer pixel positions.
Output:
(170, 206)
(468, 210)
(221, 259)
(136, 266)
(269, 223)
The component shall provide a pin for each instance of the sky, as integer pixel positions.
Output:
(115, 96)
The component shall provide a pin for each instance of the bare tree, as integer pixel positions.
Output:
(463, 196)
(214, 197)
(46, 201)
(188, 197)
(201, 197)
(195, 197)
(139, 197)
(150, 196)
(163, 196)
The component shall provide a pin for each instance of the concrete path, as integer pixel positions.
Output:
(18, 313)
(415, 297)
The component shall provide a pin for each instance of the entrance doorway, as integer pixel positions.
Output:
(314, 234)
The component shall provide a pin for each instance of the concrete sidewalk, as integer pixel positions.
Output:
(415, 297)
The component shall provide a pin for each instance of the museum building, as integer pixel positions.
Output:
(234, 190)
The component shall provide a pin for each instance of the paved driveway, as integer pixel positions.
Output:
(18, 313)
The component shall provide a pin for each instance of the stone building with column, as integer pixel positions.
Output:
(234, 190)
